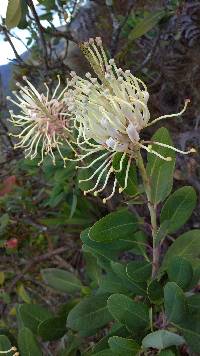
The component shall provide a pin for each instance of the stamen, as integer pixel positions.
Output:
(98, 41)
(192, 150)
(41, 119)
(97, 170)
(57, 87)
(120, 164)
(105, 182)
(13, 348)
(149, 149)
(84, 156)
(113, 192)
(47, 88)
(187, 101)
(98, 180)
(93, 162)
(126, 176)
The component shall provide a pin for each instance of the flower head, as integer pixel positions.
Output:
(42, 120)
(109, 115)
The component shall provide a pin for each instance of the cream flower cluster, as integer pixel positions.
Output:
(105, 114)
(109, 115)
(43, 120)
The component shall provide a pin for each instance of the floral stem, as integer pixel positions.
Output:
(152, 210)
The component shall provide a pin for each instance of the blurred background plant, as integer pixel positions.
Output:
(43, 209)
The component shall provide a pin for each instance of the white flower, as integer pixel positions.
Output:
(42, 120)
(110, 115)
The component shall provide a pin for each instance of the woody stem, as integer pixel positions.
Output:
(152, 210)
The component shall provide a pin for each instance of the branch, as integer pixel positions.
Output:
(6, 34)
(67, 35)
(19, 39)
(151, 53)
(41, 33)
(35, 261)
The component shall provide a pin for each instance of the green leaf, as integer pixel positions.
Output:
(180, 271)
(121, 346)
(178, 208)
(186, 245)
(139, 271)
(2, 278)
(89, 315)
(155, 292)
(134, 315)
(13, 13)
(190, 329)
(162, 181)
(167, 352)
(92, 270)
(110, 250)
(140, 244)
(21, 291)
(61, 280)
(116, 330)
(28, 345)
(194, 304)
(144, 25)
(196, 274)
(5, 345)
(73, 343)
(65, 308)
(175, 302)
(107, 250)
(24, 11)
(52, 329)
(106, 352)
(160, 171)
(111, 283)
(132, 177)
(135, 286)
(5, 297)
(114, 226)
(162, 339)
(31, 315)
(73, 205)
(162, 232)
(4, 221)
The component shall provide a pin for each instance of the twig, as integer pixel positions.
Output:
(41, 32)
(19, 39)
(63, 264)
(30, 221)
(150, 54)
(61, 12)
(36, 260)
(74, 7)
(67, 35)
(6, 34)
